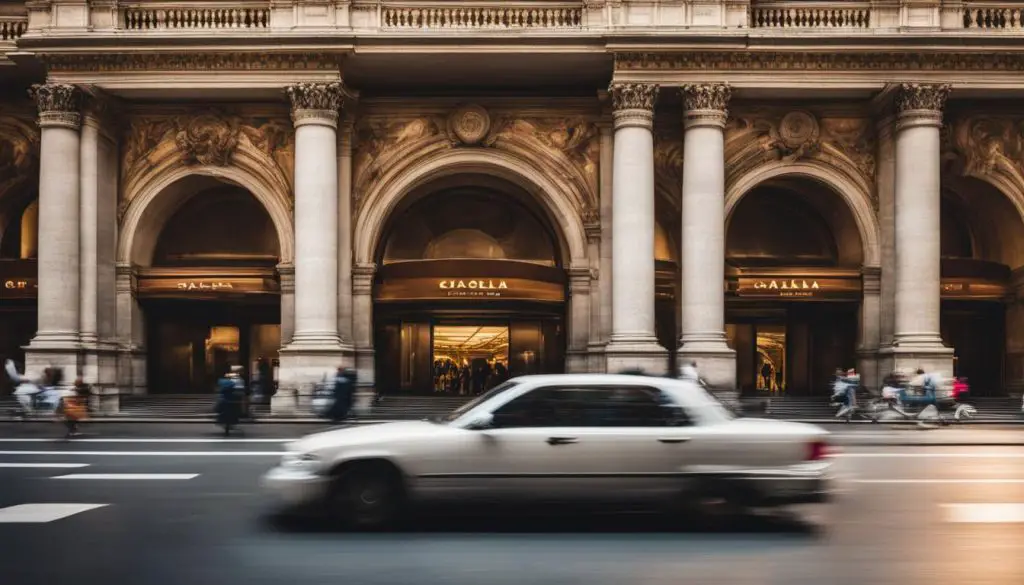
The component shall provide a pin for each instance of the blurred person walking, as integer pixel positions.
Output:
(229, 401)
(344, 392)
(74, 407)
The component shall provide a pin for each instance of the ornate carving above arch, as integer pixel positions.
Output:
(246, 169)
(762, 137)
(855, 194)
(990, 149)
(158, 144)
(438, 160)
(19, 151)
(565, 149)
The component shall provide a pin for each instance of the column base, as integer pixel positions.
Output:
(935, 358)
(39, 356)
(716, 362)
(644, 354)
(577, 361)
(131, 371)
(596, 360)
(869, 368)
(99, 370)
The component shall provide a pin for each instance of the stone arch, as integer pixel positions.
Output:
(150, 202)
(383, 197)
(855, 193)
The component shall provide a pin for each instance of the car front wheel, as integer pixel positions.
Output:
(367, 496)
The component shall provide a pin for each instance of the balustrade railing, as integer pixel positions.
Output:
(12, 27)
(197, 16)
(992, 16)
(481, 17)
(804, 15)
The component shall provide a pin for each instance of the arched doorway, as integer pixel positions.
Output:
(208, 287)
(982, 248)
(19, 240)
(793, 259)
(471, 289)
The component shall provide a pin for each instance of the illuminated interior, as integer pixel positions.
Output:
(468, 359)
(771, 353)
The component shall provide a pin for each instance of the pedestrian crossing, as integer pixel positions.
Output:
(43, 513)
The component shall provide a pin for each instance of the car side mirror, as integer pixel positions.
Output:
(482, 421)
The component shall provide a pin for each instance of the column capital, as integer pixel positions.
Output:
(633, 104)
(871, 279)
(580, 278)
(362, 278)
(315, 103)
(920, 104)
(124, 277)
(59, 105)
(705, 104)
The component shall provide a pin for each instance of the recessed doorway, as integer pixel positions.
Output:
(468, 359)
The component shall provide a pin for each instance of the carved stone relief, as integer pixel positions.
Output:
(570, 145)
(986, 144)
(757, 137)
(208, 138)
(19, 150)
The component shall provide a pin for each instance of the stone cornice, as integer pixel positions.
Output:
(743, 60)
(192, 61)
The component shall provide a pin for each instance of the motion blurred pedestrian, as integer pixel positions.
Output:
(74, 407)
(229, 400)
(344, 392)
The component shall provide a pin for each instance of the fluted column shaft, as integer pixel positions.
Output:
(345, 233)
(59, 213)
(633, 344)
(315, 114)
(703, 215)
(918, 215)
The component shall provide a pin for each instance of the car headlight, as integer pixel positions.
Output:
(299, 460)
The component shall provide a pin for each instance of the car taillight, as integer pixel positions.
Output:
(818, 450)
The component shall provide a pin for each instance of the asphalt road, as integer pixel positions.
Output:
(907, 515)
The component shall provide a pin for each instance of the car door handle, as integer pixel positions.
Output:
(673, 439)
(561, 440)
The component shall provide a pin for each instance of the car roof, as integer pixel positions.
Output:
(596, 379)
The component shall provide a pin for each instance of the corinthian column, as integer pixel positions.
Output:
(633, 344)
(315, 349)
(57, 338)
(703, 239)
(917, 341)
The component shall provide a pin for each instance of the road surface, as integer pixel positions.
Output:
(173, 508)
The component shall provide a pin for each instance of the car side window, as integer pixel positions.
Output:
(642, 406)
(529, 410)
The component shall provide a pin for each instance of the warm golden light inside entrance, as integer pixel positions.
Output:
(468, 359)
(771, 357)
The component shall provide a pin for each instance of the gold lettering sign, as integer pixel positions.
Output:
(788, 287)
(472, 287)
(202, 285)
(18, 284)
(953, 287)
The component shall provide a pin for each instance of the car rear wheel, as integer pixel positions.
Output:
(368, 496)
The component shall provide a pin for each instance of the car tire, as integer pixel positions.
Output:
(368, 496)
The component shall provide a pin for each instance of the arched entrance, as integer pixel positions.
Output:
(207, 286)
(19, 240)
(794, 254)
(470, 290)
(982, 249)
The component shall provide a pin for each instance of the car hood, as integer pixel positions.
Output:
(779, 427)
(370, 433)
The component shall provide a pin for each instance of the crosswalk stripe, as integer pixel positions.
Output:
(984, 513)
(129, 476)
(41, 513)
(42, 465)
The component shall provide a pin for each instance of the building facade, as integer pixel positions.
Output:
(443, 194)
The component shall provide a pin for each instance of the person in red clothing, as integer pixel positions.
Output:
(960, 389)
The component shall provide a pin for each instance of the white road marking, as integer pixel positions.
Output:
(128, 476)
(40, 513)
(42, 465)
(943, 481)
(152, 453)
(927, 455)
(987, 513)
(101, 440)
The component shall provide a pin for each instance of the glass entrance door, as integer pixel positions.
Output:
(771, 358)
(469, 359)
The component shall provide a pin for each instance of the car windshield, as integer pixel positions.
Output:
(503, 387)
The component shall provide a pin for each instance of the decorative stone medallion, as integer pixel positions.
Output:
(797, 129)
(470, 124)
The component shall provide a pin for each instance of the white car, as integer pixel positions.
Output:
(577, 438)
